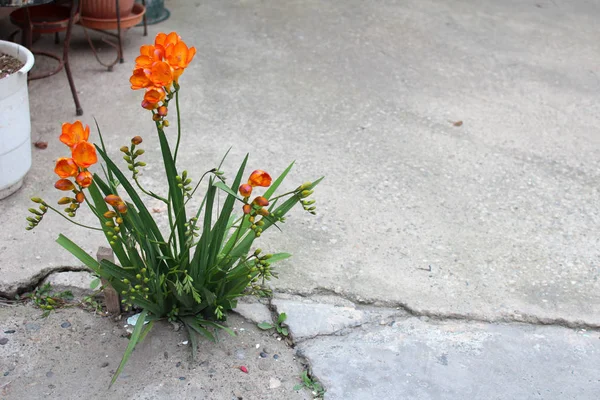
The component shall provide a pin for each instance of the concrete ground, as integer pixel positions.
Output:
(476, 240)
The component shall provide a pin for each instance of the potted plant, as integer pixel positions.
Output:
(106, 9)
(15, 125)
(194, 271)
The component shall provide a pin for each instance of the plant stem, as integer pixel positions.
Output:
(178, 125)
(70, 220)
(157, 197)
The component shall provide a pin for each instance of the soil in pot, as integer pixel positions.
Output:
(9, 65)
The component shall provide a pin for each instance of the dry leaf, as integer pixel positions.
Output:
(41, 145)
(156, 210)
(457, 123)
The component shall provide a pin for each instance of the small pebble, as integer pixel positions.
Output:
(166, 355)
(6, 373)
(257, 346)
(10, 331)
(51, 386)
(244, 369)
(32, 327)
(276, 356)
(65, 324)
(3, 341)
(178, 364)
(49, 374)
(263, 355)
(182, 378)
(104, 364)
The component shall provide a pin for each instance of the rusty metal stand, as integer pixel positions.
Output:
(27, 29)
(119, 45)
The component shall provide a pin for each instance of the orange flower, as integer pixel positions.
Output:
(64, 184)
(139, 80)
(260, 201)
(179, 57)
(80, 197)
(160, 74)
(247, 208)
(164, 40)
(84, 179)
(74, 133)
(66, 167)
(84, 154)
(259, 178)
(152, 97)
(113, 200)
(149, 54)
(245, 190)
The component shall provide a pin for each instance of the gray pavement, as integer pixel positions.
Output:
(496, 220)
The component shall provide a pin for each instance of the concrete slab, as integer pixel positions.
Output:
(494, 219)
(418, 359)
(77, 282)
(41, 359)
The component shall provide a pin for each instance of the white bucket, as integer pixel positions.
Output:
(15, 123)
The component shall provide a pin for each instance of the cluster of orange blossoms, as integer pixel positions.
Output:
(158, 66)
(83, 155)
(257, 178)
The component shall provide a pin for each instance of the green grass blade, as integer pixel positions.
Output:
(194, 340)
(133, 340)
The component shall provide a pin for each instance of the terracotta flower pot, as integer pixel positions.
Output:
(105, 9)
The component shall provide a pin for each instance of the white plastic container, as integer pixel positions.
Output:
(15, 122)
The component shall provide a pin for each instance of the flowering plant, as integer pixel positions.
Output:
(195, 272)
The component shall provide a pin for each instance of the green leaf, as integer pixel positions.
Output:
(284, 331)
(133, 340)
(278, 181)
(282, 317)
(191, 321)
(94, 284)
(194, 340)
(79, 253)
(298, 387)
(265, 326)
(226, 189)
(175, 192)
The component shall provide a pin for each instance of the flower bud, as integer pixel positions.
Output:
(125, 149)
(245, 190)
(110, 214)
(121, 207)
(305, 186)
(64, 200)
(37, 200)
(306, 193)
(156, 117)
(139, 152)
(263, 211)
(257, 252)
(64, 184)
(260, 201)
(247, 208)
(119, 220)
(110, 224)
(80, 197)
(136, 140)
(162, 111)
(166, 123)
(113, 200)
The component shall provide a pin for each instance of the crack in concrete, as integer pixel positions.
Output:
(38, 278)
(521, 318)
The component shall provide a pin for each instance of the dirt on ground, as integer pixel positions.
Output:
(9, 65)
(72, 354)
